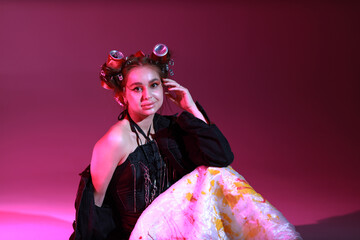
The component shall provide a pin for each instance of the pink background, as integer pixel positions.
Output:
(281, 80)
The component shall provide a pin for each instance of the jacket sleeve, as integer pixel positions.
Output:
(203, 143)
(92, 222)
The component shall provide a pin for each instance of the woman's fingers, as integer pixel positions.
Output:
(178, 94)
(177, 89)
(168, 81)
(171, 85)
(170, 96)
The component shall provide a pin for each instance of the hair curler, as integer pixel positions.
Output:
(115, 60)
(160, 52)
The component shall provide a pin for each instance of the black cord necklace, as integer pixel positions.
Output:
(135, 128)
(151, 175)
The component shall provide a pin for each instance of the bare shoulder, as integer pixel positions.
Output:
(108, 152)
(113, 143)
(116, 136)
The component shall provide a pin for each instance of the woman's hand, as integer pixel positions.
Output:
(178, 94)
(181, 97)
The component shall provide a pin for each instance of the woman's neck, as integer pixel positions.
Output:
(143, 122)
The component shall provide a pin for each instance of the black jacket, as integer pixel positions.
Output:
(184, 141)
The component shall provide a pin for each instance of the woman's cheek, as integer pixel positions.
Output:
(160, 93)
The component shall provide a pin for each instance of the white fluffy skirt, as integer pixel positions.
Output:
(212, 203)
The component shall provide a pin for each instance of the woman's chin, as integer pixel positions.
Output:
(149, 111)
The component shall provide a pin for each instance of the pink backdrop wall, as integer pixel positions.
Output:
(281, 80)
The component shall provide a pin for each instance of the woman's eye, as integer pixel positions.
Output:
(137, 89)
(154, 85)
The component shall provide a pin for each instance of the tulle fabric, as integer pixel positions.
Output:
(212, 203)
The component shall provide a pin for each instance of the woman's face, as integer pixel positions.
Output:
(143, 92)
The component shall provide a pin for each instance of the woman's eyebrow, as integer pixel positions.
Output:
(140, 83)
(135, 84)
(154, 80)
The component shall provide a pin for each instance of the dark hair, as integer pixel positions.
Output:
(115, 79)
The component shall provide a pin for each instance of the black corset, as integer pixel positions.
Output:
(136, 183)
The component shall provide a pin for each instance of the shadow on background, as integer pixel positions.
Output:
(346, 227)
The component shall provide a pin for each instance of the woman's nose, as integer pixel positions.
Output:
(146, 94)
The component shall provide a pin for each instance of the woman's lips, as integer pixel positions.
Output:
(147, 105)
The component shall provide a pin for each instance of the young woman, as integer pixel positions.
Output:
(144, 153)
